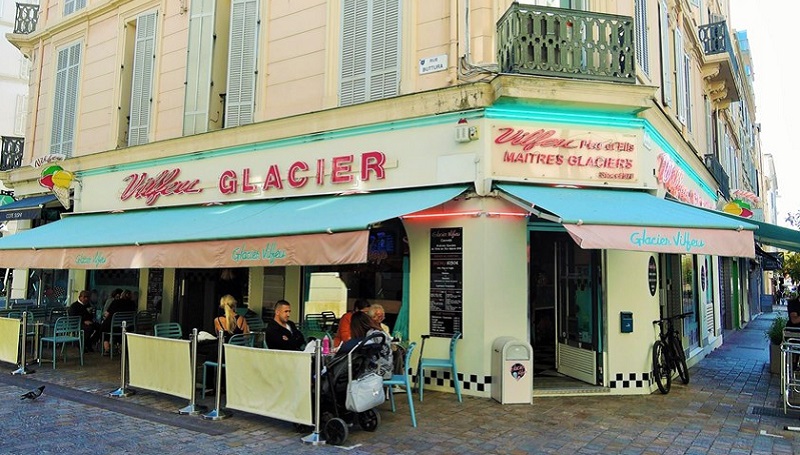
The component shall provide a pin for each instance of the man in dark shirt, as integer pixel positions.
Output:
(281, 333)
(91, 329)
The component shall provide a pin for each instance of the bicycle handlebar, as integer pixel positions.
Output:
(677, 316)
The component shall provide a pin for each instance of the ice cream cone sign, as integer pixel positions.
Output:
(59, 181)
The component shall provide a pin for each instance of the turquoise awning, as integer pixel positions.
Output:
(635, 220)
(146, 237)
(771, 234)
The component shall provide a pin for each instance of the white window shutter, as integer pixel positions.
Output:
(370, 50)
(687, 76)
(65, 99)
(353, 79)
(142, 79)
(241, 90)
(642, 52)
(679, 78)
(385, 57)
(666, 62)
(21, 115)
(69, 7)
(198, 66)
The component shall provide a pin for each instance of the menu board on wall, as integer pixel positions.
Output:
(155, 289)
(447, 259)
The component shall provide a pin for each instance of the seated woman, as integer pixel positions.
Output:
(362, 326)
(230, 323)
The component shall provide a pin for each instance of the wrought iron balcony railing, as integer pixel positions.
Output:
(11, 154)
(27, 17)
(569, 43)
(719, 174)
(716, 40)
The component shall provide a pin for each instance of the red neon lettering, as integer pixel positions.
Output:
(294, 181)
(341, 166)
(164, 184)
(247, 187)
(227, 182)
(273, 178)
(373, 161)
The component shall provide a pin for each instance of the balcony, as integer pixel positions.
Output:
(559, 42)
(720, 66)
(11, 154)
(718, 172)
(27, 17)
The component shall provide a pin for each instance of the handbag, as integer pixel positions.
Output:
(364, 393)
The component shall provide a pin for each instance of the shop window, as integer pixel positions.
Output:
(50, 284)
(689, 299)
(370, 53)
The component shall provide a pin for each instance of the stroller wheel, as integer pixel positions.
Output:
(369, 420)
(335, 431)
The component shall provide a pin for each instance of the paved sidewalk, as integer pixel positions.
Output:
(732, 405)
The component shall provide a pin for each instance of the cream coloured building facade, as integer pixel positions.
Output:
(547, 170)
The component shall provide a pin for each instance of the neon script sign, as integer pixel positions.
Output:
(584, 155)
(671, 176)
(269, 253)
(166, 183)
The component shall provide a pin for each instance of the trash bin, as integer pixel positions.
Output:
(512, 371)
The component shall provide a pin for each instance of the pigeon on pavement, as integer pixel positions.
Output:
(33, 394)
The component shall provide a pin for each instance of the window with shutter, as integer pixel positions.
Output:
(142, 79)
(370, 51)
(21, 115)
(679, 78)
(666, 62)
(65, 99)
(687, 88)
(70, 6)
(241, 91)
(198, 66)
(642, 52)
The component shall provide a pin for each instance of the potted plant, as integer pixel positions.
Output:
(775, 336)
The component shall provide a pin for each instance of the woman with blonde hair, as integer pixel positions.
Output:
(230, 323)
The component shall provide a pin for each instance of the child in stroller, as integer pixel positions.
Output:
(367, 355)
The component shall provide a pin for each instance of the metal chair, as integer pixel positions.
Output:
(144, 322)
(403, 380)
(168, 330)
(448, 363)
(239, 339)
(66, 330)
(129, 317)
(254, 322)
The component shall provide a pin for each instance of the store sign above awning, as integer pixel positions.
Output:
(25, 209)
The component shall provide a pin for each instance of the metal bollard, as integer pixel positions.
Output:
(217, 413)
(122, 391)
(316, 438)
(23, 362)
(193, 408)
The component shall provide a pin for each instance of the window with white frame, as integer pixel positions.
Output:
(680, 85)
(640, 22)
(65, 99)
(242, 58)
(568, 4)
(687, 90)
(666, 61)
(70, 6)
(142, 79)
(370, 51)
(21, 115)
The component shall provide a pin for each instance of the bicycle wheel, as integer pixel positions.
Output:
(679, 358)
(662, 373)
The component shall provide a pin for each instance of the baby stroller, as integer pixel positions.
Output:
(335, 418)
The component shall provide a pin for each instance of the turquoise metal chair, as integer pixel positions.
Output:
(144, 322)
(129, 317)
(239, 339)
(254, 322)
(168, 330)
(403, 380)
(67, 329)
(448, 363)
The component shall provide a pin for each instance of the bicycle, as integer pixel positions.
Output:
(668, 354)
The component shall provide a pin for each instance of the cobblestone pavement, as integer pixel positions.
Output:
(732, 405)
